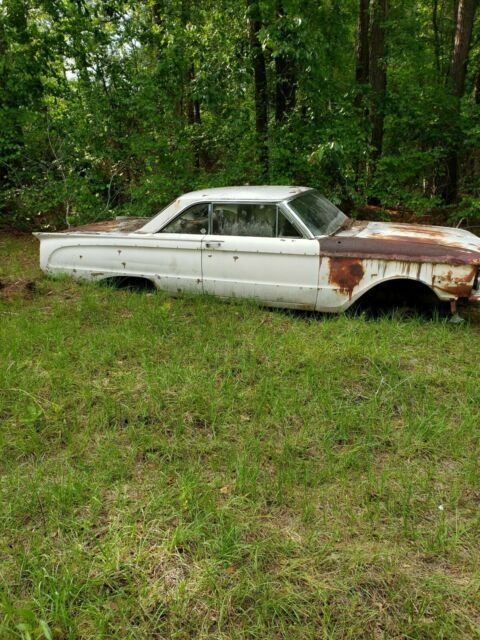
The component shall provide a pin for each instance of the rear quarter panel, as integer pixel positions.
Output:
(171, 263)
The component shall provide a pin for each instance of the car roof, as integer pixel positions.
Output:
(257, 193)
(221, 194)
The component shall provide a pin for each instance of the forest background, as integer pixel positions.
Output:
(116, 107)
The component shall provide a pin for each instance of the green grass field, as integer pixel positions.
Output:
(190, 468)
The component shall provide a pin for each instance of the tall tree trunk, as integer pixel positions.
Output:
(362, 65)
(285, 88)
(363, 53)
(192, 106)
(377, 74)
(456, 82)
(436, 35)
(12, 101)
(157, 12)
(476, 100)
(476, 85)
(461, 46)
(3, 102)
(260, 82)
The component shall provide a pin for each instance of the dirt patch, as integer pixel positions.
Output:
(23, 286)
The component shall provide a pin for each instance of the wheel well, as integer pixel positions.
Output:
(400, 292)
(134, 283)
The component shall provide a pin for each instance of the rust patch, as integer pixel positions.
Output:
(405, 228)
(413, 250)
(345, 273)
(457, 290)
(124, 225)
(460, 287)
(436, 241)
(351, 223)
(428, 240)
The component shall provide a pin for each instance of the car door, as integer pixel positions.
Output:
(255, 251)
(173, 254)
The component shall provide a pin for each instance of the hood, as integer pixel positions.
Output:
(405, 242)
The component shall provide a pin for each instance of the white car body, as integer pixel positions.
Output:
(324, 273)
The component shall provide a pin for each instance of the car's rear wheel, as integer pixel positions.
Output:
(129, 282)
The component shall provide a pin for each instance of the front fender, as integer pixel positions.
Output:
(343, 281)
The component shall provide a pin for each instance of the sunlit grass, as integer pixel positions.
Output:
(188, 468)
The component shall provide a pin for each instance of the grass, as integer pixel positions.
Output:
(189, 468)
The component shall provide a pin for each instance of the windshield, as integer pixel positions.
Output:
(317, 213)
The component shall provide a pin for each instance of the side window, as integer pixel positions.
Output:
(286, 228)
(244, 220)
(193, 220)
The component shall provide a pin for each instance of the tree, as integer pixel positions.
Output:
(117, 107)
(193, 113)
(260, 87)
(363, 43)
(476, 85)
(456, 83)
(285, 76)
(377, 75)
(23, 57)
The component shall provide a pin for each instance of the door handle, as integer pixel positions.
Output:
(213, 245)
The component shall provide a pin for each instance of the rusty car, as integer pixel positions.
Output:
(282, 246)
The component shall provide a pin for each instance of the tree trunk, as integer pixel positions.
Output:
(363, 53)
(456, 82)
(3, 101)
(436, 36)
(157, 12)
(476, 85)
(260, 82)
(362, 65)
(192, 103)
(11, 99)
(285, 89)
(461, 46)
(377, 74)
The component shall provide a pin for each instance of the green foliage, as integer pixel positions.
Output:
(468, 212)
(402, 180)
(116, 108)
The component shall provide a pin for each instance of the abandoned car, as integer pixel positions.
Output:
(283, 246)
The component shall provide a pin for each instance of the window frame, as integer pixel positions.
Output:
(183, 212)
(279, 210)
(303, 231)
